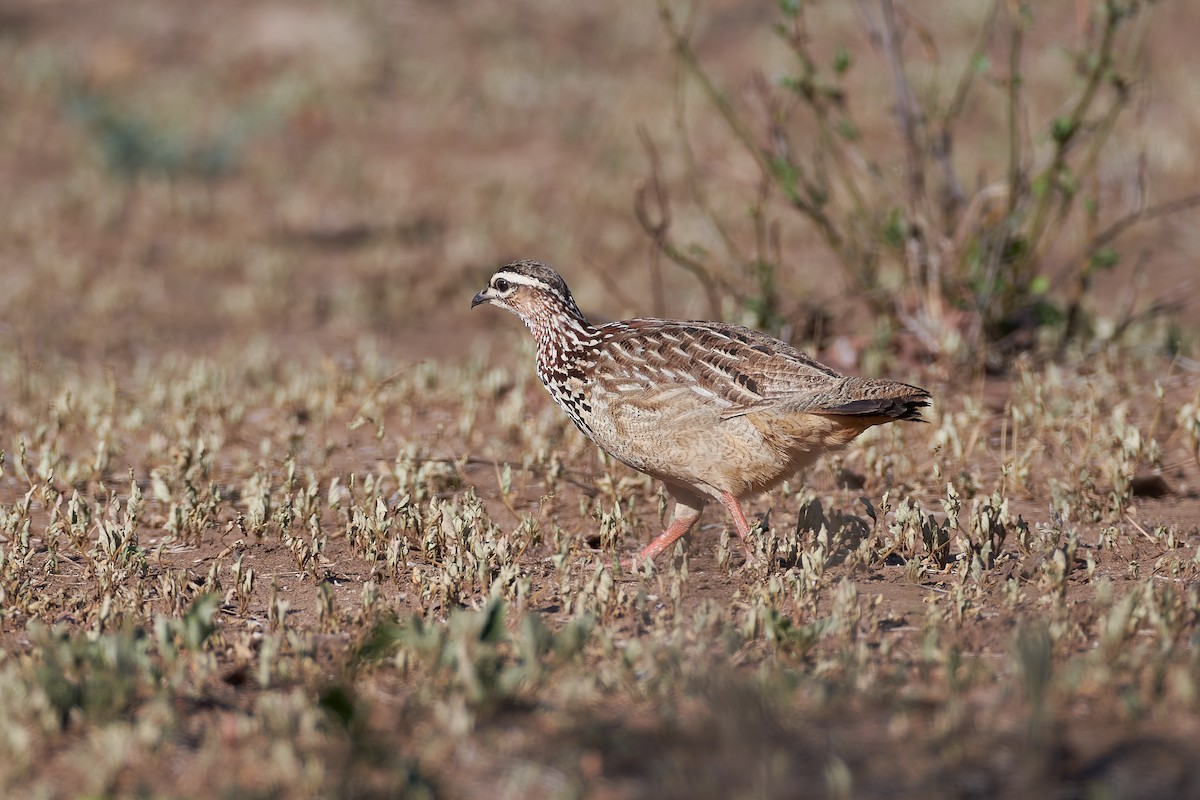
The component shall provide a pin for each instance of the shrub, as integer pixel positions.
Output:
(962, 267)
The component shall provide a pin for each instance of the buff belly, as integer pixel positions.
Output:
(698, 449)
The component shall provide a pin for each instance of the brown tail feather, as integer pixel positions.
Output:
(901, 402)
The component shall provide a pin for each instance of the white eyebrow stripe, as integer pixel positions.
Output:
(523, 280)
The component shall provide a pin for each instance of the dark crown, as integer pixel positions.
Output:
(547, 277)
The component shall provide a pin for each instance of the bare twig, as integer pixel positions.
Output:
(967, 78)
(1125, 87)
(1110, 234)
(741, 132)
(1065, 132)
(907, 110)
(942, 142)
(657, 289)
(1140, 529)
(1016, 38)
(1084, 268)
(1156, 308)
(694, 179)
(659, 229)
(687, 56)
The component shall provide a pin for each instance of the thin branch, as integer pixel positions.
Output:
(695, 183)
(1101, 132)
(659, 229)
(1082, 268)
(688, 56)
(1067, 129)
(943, 141)
(1159, 307)
(906, 106)
(806, 90)
(963, 88)
(657, 289)
(1015, 41)
(1109, 234)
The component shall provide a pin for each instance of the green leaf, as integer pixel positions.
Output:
(1067, 182)
(1015, 249)
(894, 229)
(1062, 129)
(788, 176)
(380, 642)
(1047, 313)
(801, 86)
(847, 130)
(493, 622)
(536, 638)
(571, 640)
(842, 60)
(197, 624)
(1105, 258)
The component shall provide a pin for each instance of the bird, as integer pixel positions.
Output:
(715, 411)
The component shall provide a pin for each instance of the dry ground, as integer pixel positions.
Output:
(280, 517)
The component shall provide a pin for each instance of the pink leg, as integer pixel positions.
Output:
(739, 521)
(686, 514)
(682, 523)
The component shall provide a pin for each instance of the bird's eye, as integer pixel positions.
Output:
(501, 285)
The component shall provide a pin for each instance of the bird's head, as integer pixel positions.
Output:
(530, 290)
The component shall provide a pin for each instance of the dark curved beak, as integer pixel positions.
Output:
(482, 297)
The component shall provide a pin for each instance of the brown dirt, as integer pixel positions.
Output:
(401, 152)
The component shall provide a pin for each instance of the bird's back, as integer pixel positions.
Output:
(737, 370)
(726, 406)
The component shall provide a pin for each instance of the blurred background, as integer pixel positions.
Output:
(193, 177)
